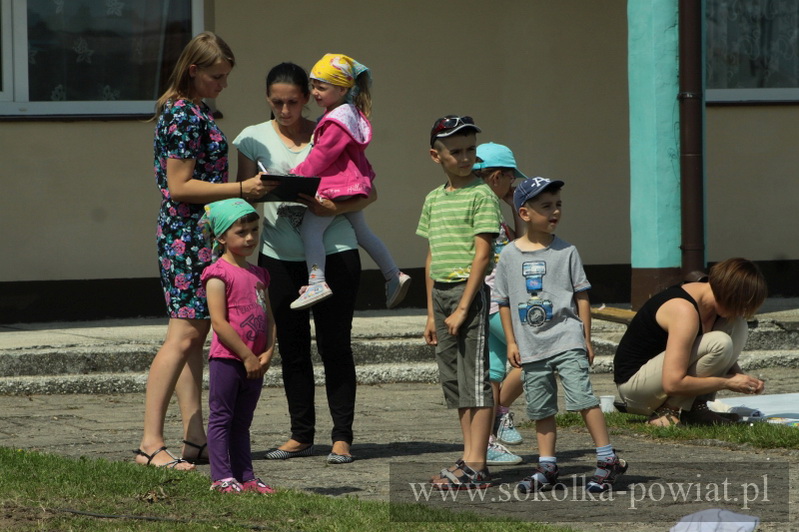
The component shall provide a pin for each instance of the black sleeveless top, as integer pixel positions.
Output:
(645, 339)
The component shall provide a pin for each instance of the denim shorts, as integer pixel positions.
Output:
(541, 388)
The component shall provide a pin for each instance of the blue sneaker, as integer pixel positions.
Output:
(506, 432)
(498, 454)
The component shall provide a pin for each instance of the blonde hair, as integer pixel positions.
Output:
(204, 51)
(363, 100)
(738, 286)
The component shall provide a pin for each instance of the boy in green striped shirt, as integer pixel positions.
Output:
(460, 221)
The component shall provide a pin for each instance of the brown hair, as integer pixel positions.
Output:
(738, 286)
(485, 173)
(204, 50)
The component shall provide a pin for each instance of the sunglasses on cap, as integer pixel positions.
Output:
(444, 127)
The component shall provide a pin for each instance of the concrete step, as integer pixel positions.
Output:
(124, 358)
(135, 382)
(375, 373)
(114, 357)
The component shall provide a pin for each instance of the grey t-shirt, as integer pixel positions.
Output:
(539, 288)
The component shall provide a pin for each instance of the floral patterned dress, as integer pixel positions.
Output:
(186, 130)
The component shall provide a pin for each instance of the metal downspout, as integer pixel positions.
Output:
(691, 99)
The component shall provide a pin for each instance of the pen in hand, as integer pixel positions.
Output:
(261, 167)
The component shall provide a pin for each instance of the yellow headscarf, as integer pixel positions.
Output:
(337, 69)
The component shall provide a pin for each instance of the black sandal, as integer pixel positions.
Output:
(199, 459)
(669, 415)
(468, 479)
(169, 465)
(451, 469)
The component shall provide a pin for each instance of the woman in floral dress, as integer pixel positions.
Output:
(191, 169)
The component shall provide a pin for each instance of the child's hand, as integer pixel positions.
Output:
(252, 365)
(430, 335)
(454, 321)
(265, 360)
(514, 357)
(319, 206)
(589, 349)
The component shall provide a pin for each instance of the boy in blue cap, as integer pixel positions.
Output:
(541, 290)
(496, 165)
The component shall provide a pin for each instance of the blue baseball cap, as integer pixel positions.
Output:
(532, 187)
(493, 155)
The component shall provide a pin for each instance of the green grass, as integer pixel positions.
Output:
(760, 435)
(48, 492)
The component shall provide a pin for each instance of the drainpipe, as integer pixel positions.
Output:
(691, 99)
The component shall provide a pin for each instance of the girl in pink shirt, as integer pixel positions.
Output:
(242, 345)
(341, 85)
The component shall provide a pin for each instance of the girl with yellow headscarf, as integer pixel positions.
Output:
(340, 85)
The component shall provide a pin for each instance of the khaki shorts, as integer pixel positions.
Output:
(712, 355)
(463, 359)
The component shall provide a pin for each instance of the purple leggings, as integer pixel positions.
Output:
(232, 398)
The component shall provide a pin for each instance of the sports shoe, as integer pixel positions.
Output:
(498, 454)
(506, 432)
(258, 486)
(226, 486)
(607, 471)
(542, 479)
(312, 295)
(396, 289)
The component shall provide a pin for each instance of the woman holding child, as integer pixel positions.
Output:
(683, 346)
(279, 145)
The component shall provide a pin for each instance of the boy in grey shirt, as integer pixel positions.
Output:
(541, 290)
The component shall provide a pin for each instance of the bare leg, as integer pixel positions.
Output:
(595, 423)
(189, 392)
(476, 426)
(546, 433)
(512, 387)
(184, 342)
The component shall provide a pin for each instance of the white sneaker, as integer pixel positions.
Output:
(396, 289)
(311, 296)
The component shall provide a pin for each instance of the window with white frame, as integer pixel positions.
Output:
(752, 50)
(90, 57)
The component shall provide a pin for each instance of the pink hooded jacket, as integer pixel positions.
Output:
(340, 139)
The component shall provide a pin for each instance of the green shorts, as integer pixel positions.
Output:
(541, 388)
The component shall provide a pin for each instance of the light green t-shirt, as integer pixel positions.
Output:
(450, 221)
(281, 238)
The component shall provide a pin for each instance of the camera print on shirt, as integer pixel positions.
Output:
(536, 311)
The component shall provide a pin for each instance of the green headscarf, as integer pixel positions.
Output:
(218, 218)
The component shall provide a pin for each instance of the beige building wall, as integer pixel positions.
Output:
(546, 78)
(752, 185)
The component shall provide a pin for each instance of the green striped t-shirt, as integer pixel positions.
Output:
(450, 221)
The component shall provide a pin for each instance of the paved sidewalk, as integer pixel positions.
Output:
(401, 430)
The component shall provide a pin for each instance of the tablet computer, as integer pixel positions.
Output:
(290, 187)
